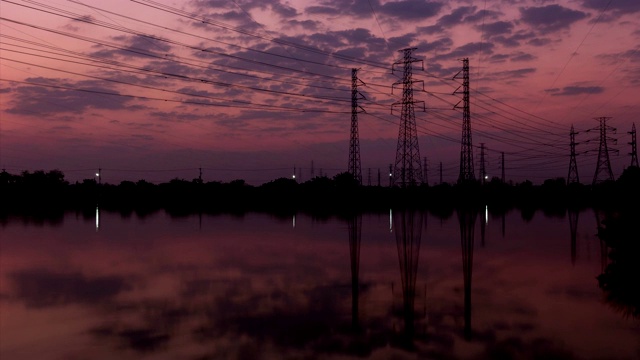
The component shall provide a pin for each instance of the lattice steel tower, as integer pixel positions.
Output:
(634, 146)
(355, 168)
(603, 166)
(408, 169)
(573, 166)
(466, 150)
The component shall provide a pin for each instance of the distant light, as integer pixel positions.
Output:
(390, 175)
(97, 174)
(294, 176)
(486, 177)
(486, 214)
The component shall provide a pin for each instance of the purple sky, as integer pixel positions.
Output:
(250, 89)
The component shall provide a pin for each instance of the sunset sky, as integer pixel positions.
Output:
(156, 89)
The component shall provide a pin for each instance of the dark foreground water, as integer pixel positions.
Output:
(392, 286)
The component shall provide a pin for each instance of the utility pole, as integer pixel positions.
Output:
(634, 146)
(99, 176)
(354, 144)
(603, 165)
(483, 171)
(378, 177)
(200, 175)
(573, 165)
(407, 170)
(440, 172)
(466, 149)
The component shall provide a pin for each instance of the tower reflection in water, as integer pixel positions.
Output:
(467, 219)
(408, 233)
(355, 234)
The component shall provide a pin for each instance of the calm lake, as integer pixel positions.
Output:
(400, 285)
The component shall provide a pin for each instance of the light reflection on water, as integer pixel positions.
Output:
(256, 287)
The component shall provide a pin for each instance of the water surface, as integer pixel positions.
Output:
(398, 285)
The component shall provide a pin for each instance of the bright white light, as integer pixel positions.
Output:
(390, 175)
(486, 214)
(390, 220)
(294, 176)
(486, 177)
(97, 218)
(97, 174)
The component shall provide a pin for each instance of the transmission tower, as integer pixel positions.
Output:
(603, 165)
(634, 146)
(483, 171)
(466, 149)
(407, 170)
(573, 166)
(355, 168)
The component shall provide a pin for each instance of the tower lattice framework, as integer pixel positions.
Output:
(573, 177)
(603, 166)
(466, 149)
(408, 169)
(634, 146)
(355, 167)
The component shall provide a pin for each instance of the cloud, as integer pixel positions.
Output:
(411, 9)
(456, 16)
(42, 288)
(575, 90)
(468, 50)
(483, 15)
(49, 96)
(522, 56)
(398, 10)
(550, 18)
(496, 28)
(618, 7)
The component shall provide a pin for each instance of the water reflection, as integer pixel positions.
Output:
(253, 287)
(355, 234)
(573, 227)
(619, 234)
(467, 220)
(408, 225)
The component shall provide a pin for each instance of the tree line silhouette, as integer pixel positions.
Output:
(42, 191)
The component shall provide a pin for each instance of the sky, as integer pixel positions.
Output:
(247, 89)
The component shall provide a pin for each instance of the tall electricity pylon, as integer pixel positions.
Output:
(407, 170)
(355, 168)
(603, 165)
(573, 166)
(634, 146)
(466, 149)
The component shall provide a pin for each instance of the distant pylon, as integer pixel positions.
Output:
(634, 146)
(573, 166)
(483, 171)
(355, 168)
(407, 170)
(603, 165)
(466, 149)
